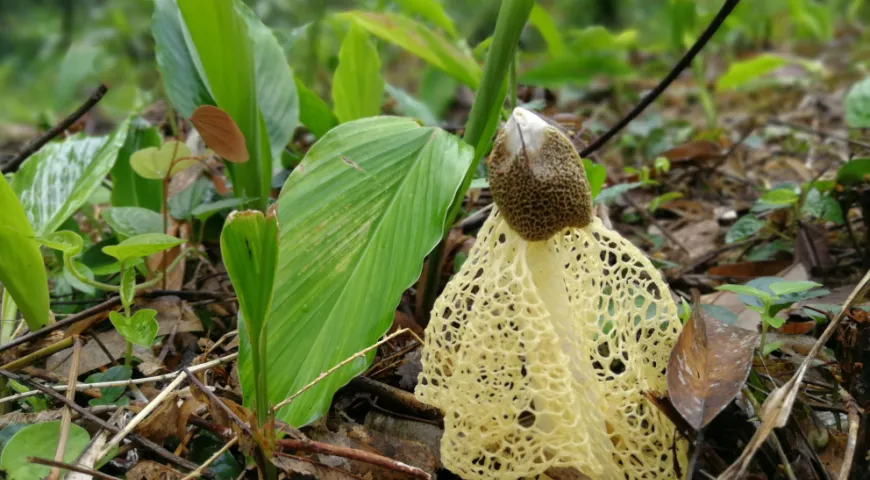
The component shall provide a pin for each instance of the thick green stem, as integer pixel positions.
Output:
(8, 312)
(482, 121)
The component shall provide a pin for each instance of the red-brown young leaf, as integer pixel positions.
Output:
(220, 133)
(708, 366)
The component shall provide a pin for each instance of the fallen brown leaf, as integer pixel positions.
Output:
(148, 470)
(708, 366)
(220, 133)
(305, 468)
(694, 151)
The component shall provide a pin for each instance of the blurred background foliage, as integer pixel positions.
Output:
(53, 52)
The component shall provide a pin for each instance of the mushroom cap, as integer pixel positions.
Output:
(537, 178)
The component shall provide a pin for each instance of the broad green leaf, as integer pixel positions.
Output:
(660, 200)
(854, 172)
(785, 287)
(596, 174)
(772, 320)
(743, 72)
(609, 195)
(314, 113)
(128, 285)
(344, 229)
(422, 42)
(409, 106)
(746, 290)
(431, 10)
(745, 227)
(70, 243)
(182, 78)
(249, 248)
(780, 196)
(182, 204)
(542, 20)
(437, 90)
(357, 86)
(128, 188)
(132, 221)
(40, 440)
(600, 38)
(81, 65)
(857, 106)
(74, 281)
(576, 69)
(58, 179)
(770, 347)
(204, 211)
(110, 395)
(720, 313)
(22, 272)
(140, 328)
(154, 162)
(142, 246)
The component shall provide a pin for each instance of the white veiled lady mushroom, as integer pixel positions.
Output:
(541, 348)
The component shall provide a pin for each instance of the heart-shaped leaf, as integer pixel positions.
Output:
(70, 243)
(132, 221)
(140, 328)
(154, 162)
(40, 440)
(344, 229)
(220, 133)
(141, 246)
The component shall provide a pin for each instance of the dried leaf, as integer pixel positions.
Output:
(148, 470)
(776, 409)
(304, 468)
(163, 421)
(708, 366)
(798, 328)
(220, 133)
(694, 151)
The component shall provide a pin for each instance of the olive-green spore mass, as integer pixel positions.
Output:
(537, 178)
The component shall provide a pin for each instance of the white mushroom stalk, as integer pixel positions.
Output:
(540, 350)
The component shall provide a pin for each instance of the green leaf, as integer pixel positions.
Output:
(141, 246)
(431, 10)
(770, 347)
(420, 41)
(132, 221)
(780, 196)
(542, 20)
(743, 72)
(314, 113)
(70, 243)
(40, 440)
(772, 320)
(343, 229)
(58, 179)
(357, 86)
(720, 313)
(409, 106)
(596, 174)
(77, 284)
(129, 189)
(745, 227)
(785, 287)
(577, 69)
(204, 211)
(857, 102)
(110, 395)
(22, 271)
(128, 285)
(609, 195)
(182, 204)
(854, 172)
(153, 162)
(746, 290)
(663, 199)
(140, 328)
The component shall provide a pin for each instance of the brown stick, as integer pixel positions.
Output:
(214, 398)
(66, 419)
(352, 454)
(46, 137)
(74, 468)
(29, 359)
(144, 442)
(852, 439)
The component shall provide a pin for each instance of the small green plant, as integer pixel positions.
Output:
(138, 328)
(769, 296)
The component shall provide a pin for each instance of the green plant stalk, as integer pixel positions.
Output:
(8, 312)
(258, 359)
(115, 288)
(482, 120)
(706, 99)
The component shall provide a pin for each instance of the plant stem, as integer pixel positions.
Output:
(482, 122)
(128, 354)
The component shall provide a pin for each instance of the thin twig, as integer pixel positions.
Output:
(125, 383)
(666, 232)
(666, 82)
(66, 418)
(142, 415)
(214, 398)
(46, 137)
(325, 374)
(352, 454)
(73, 468)
(31, 358)
(852, 439)
(820, 133)
(144, 442)
(198, 472)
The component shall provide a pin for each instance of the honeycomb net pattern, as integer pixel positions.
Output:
(539, 354)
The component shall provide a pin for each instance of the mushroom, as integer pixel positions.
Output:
(540, 350)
